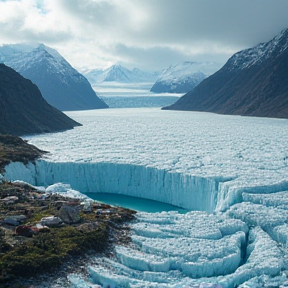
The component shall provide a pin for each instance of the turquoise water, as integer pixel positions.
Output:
(135, 203)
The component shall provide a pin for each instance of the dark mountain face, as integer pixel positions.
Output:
(254, 82)
(60, 84)
(23, 110)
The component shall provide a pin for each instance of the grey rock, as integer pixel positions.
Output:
(10, 199)
(51, 221)
(69, 214)
(88, 227)
(14, 220)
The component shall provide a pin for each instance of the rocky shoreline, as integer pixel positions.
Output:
(48, 233)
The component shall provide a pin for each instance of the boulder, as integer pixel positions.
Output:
(86, 206)
(10, 199)
(69, 214)
(42, 229)
(14, 220)
(88, 227)
(51, 221)
(26, 230)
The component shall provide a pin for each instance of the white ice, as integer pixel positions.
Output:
(234, 168)
(168, 156)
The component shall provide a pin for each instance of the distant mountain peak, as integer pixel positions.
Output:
(41, 47)
(183, 77)
(118, 73)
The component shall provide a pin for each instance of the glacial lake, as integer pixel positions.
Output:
(135, 203)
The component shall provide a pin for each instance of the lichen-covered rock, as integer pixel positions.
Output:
(14, 220)
(51, 221)
(42, 228)
(86, 206)
(26, 230)
(88, 227)
(10, 199)
(29, 230)
(69, 214)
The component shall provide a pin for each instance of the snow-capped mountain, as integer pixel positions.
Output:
(118, 73)
(183, 77)
(260, 53)
(60, 84)
(252, 82)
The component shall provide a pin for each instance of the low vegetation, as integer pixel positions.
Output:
(90, 229)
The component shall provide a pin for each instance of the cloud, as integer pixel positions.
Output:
(141, 32)
(27, 21)
(157, 56)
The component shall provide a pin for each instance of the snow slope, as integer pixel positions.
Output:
(183, 77)
(261, 52)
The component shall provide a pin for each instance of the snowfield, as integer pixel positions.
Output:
(230, 171)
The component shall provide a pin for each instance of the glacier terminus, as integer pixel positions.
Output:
(230, 172)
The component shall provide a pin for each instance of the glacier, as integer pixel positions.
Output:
(132, 95)
(229, 171)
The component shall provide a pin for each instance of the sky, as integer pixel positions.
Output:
(146, 34)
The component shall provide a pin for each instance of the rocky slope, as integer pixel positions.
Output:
(40, 232)
(60, 84)
(183, 77)
(23, 109)
(253, 82)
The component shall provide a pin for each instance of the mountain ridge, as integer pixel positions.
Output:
(253, 82)
(60, 84)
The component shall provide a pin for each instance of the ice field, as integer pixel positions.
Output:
(133, 95)
(231, 172)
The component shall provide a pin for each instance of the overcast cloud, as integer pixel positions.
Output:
(147, 34)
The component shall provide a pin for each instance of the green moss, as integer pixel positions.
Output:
(48, 250)
(38, 215)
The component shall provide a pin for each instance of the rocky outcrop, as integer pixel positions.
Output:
(28, 247)
(23, 110)
(253, 83)
(14, 149)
